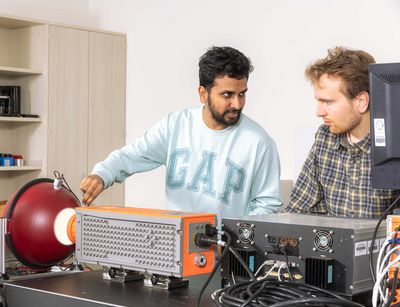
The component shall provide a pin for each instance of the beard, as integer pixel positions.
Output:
(226, 118)
(344, 126)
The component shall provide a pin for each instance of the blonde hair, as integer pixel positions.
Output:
(350, 65)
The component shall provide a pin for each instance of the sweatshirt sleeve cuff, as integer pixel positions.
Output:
(103, 174)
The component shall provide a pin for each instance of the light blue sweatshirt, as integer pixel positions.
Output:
(230, 172)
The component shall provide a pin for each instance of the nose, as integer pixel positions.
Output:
(238, 102)
(321, 111)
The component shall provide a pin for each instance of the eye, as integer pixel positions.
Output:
(243, 94)
(326, 102)
(227, 94)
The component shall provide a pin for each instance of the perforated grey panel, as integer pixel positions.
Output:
(134, 244)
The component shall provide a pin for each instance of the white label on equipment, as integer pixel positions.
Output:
(360, 248)
(379, 128)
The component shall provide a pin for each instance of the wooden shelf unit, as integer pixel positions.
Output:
(68, 75)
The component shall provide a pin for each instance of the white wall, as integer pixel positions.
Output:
(166, 38)
(68, 11)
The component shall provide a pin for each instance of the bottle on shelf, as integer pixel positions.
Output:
(11, 160)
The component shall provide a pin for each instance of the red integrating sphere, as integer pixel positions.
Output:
(31, 213)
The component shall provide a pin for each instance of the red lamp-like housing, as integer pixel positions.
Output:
(30, 227)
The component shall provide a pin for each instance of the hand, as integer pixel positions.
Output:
(91, 186)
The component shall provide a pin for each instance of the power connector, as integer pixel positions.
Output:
(211, 230)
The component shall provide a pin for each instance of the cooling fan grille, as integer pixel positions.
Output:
(246, 233)
(323, 240)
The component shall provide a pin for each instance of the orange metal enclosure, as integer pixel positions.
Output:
(148, 240)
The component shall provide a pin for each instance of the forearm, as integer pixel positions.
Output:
(266, 184)
(122, 163)
(306, 194)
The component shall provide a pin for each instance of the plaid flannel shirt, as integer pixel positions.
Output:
(336, 180)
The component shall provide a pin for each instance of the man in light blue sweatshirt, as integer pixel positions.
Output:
(218, 160)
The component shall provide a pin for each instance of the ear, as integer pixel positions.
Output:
(203, 94)
(363, 102)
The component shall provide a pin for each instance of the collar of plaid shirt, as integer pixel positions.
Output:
(363, 145)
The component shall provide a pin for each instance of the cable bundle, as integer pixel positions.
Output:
(263, 291)
(391, 260)
(272, 293)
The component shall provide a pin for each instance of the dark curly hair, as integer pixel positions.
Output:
(223, 61)
(350, 65)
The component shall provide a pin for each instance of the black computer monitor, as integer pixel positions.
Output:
(384, 87)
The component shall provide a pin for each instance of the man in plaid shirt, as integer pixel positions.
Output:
(336, 176)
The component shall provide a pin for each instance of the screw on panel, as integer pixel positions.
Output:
(301, 239)
(352, 236)
(252, 242)
(314, 230)
(237, 241)
(331, 232)
(237, 224)
(314, 249)
(252, 226)
(331, 251)
(351, 287)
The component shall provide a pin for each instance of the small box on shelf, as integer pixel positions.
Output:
(11, 160)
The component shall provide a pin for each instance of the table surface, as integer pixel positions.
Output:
(91, 287)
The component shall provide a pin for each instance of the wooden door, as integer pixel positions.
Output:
(106, 105)
(68, 104)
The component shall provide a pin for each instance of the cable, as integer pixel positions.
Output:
(371, 266)
(281, 266)
(273, 293)
(88, 267)
(255, 294)
(381, 251)
(226, 249)
(393, 292)
(381, 262)
(266, 262)
(215, 297)
(287, 263)
(273, 267)
(244, 264)
(233, 277)
(3, 302)
(61, 177)
(317, 300)
(380, 279)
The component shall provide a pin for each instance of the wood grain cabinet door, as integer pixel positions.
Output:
(106, 104)
(68, 103)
